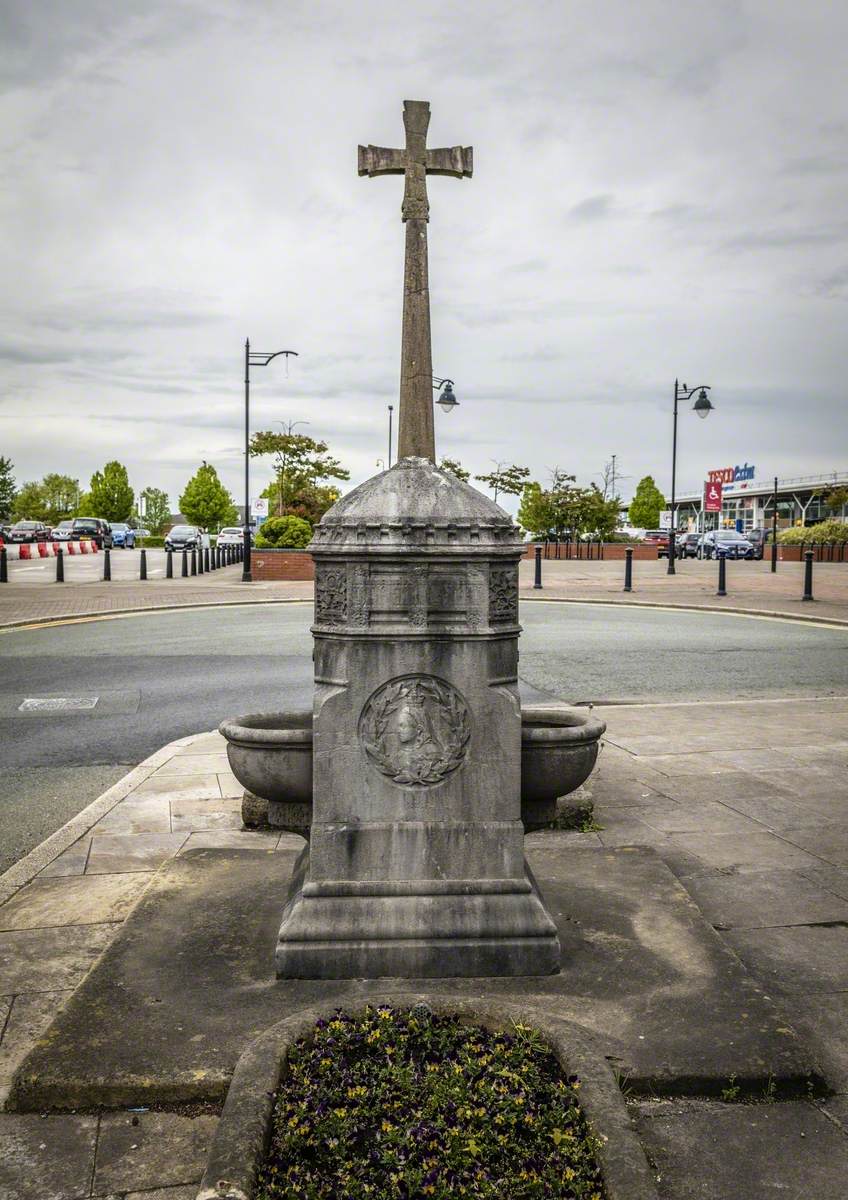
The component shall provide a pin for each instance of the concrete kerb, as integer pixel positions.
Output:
(243, 1134)
(665, 606)
(26, 869)
(114, 613)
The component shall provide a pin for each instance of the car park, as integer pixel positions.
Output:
(183, 537)
(123, 536)
(726, 541)
(687, 545)
(29, 531)
(93, 528)
(62, 531)
(658, 538)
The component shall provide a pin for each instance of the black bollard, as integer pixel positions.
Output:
(774, 556)
(193, 570)
(107, 565)
(722, 575)
(169, 564)
(205, 558)
(60, 565)
(537, 581)
(808, 575)
(184, 571)
(200, 560)
(628, 568)
(4, 567)
(142, 567)
(212, 563)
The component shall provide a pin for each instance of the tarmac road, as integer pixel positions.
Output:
(164, 675)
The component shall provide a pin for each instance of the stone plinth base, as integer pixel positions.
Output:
(415, 929)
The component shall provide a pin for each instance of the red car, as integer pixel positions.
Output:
(29, 531)
(658, 538)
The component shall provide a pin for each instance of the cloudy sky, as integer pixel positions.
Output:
(659, 191)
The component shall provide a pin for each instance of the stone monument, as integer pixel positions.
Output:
(415, 865)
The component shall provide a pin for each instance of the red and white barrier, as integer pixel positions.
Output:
(29, 551)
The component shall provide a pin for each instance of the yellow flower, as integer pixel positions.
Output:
(340, 1112)
(387, 1127)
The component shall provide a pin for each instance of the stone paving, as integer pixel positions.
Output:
(746, 802)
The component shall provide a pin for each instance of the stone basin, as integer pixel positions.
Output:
(271, 756)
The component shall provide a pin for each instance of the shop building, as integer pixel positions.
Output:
(748, 497)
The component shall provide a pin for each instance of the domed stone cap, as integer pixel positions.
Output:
(415, 503)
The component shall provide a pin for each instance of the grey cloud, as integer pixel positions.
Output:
(593, 208)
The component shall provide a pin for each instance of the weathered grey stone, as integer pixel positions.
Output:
(151, 1150)
(254, 811)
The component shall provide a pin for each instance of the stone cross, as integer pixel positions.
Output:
(416, 162)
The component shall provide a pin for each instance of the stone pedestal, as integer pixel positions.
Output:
(416, 861)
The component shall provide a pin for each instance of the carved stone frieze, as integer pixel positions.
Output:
(415, 729)
(330, 595)
(503, 594)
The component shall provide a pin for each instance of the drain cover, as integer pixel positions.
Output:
(57, 703)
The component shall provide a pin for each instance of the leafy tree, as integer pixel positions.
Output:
(284, 531)
(645, 507)
(29, 504)
(7, 488)
(206, 502)
(564, 509)
(509, 479)
(157, 510)
(300, 464)
(834, 500)
(600, 515)
(61, 496)
(312, 502)
(110, 494)
(536, 511)
(454, 468)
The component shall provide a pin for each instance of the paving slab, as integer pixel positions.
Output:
(714, 1151)
(763, 899)
(120, 852)
(151, 1150)
(30, 1014)
(822, 1021)
(41, 960)
(189, 982)
(46, 1160)
(806, 958)
(73, 900)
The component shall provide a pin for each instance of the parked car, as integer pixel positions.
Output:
(123, 536)
(95, 528)
(183, 537)
(732, 543)
(658, 538)
(142, 533)
(687, 545)
(231, 537)
(29, 531)
(759, 538)
(62, 531)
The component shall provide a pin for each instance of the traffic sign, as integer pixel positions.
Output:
(712, 497)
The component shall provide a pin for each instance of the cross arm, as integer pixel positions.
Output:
(451, 160)
(377, 160)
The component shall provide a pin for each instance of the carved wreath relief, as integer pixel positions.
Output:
(415, 729)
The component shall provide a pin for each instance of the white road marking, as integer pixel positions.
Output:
(57, 703)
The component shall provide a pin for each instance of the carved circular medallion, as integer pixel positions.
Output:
(415, 729)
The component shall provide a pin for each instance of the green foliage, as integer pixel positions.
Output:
(834, 500)
(206, 502)
(565, 509)
(52, 500)
(507, 479)
(453, 467)
(825, 531)
(7, 488)
(312, 502)
(150, 543)
(300, 464)
(86, 508)
(111, 496)
(157, 510)
(284, 531)
(403, 1103)
(646, 505)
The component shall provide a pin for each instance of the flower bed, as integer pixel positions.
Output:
(401, 1102)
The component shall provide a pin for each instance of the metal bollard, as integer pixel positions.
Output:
(205, 558)
(107, 565)
(169, 564)
(184, 571)
(212, 563)
(628, 568)
(774, 556)
(4, 568)
(193, 570)
(200, 560)
(808, 575)
(722, 574)
(537, 580)
(60, 566)
(142, 568)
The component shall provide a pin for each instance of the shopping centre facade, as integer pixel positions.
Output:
(748, 499)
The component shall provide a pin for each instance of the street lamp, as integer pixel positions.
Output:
(703, 407)
(391, 410)
(446, 400)
(252, 358)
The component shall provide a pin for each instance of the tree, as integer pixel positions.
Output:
(507, 478)
(29, 504)
(536, 511)
(157, 510)
(110, 495)
(7, 488)
(454, 468)
(834, 500)
(206, 502)
(300, 463)
(288, 531)
(564, 509)
(312, 502)
(645, 507)
(61, 497)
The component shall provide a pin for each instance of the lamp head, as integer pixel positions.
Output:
(447, 400)
(703, 406)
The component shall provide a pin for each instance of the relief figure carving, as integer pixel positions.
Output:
(415, 729)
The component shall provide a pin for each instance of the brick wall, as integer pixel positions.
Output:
(281, 564)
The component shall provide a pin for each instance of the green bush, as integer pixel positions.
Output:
(150, 543)
(290, 532)
(825, 531)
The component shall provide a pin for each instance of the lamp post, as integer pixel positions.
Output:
(446, 399)
(252, 358)
(391, 410)
(703, 407)
(774, 528)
